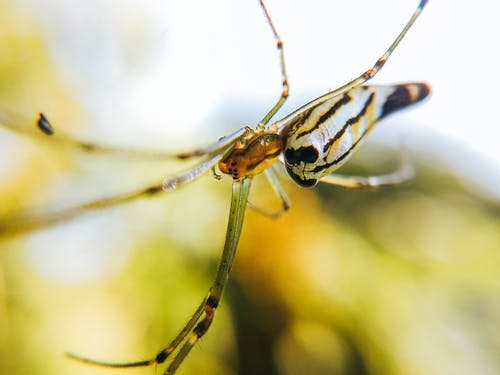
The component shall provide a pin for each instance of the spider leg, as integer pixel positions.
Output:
(160, 357)
(404, 173)
(216, 147)
(284, 82)
(187, 176)
(278, 189)
(23, 224)
(41, 129)
(239, 200)
(368, 74)
(197, 326)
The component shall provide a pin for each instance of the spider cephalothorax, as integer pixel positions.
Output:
(252, 154)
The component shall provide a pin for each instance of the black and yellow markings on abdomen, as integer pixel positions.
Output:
(308, 161)
(404, 95)
(350, 123)
(326, 116)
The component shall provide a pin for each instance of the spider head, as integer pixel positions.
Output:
(252, 155)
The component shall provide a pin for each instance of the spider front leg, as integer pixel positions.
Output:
(25, 223)
(203, 317)
(215, 152)
(284, 77)
(370, 73)
(239, 199)
(42, 129)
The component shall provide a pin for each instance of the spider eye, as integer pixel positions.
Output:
(307, 154)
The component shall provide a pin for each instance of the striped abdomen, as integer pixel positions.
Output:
(319, 138)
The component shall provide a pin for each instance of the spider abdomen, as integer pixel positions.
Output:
(322, 138)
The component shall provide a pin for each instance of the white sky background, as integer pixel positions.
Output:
(198, 57)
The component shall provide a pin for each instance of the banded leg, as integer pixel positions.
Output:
(368, 74)
(23, 224)
(41, 129)
(404, 173)
(160, 357)
(284, 77)
(198, 325)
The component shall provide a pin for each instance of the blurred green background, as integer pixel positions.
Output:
(400, 280)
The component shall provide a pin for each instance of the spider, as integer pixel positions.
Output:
(311, 142)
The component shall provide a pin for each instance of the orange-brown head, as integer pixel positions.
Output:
(252, 156)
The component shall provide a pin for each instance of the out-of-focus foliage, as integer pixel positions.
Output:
(400, 280)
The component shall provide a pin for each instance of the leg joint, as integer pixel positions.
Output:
(161, 356)
(212, 302)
